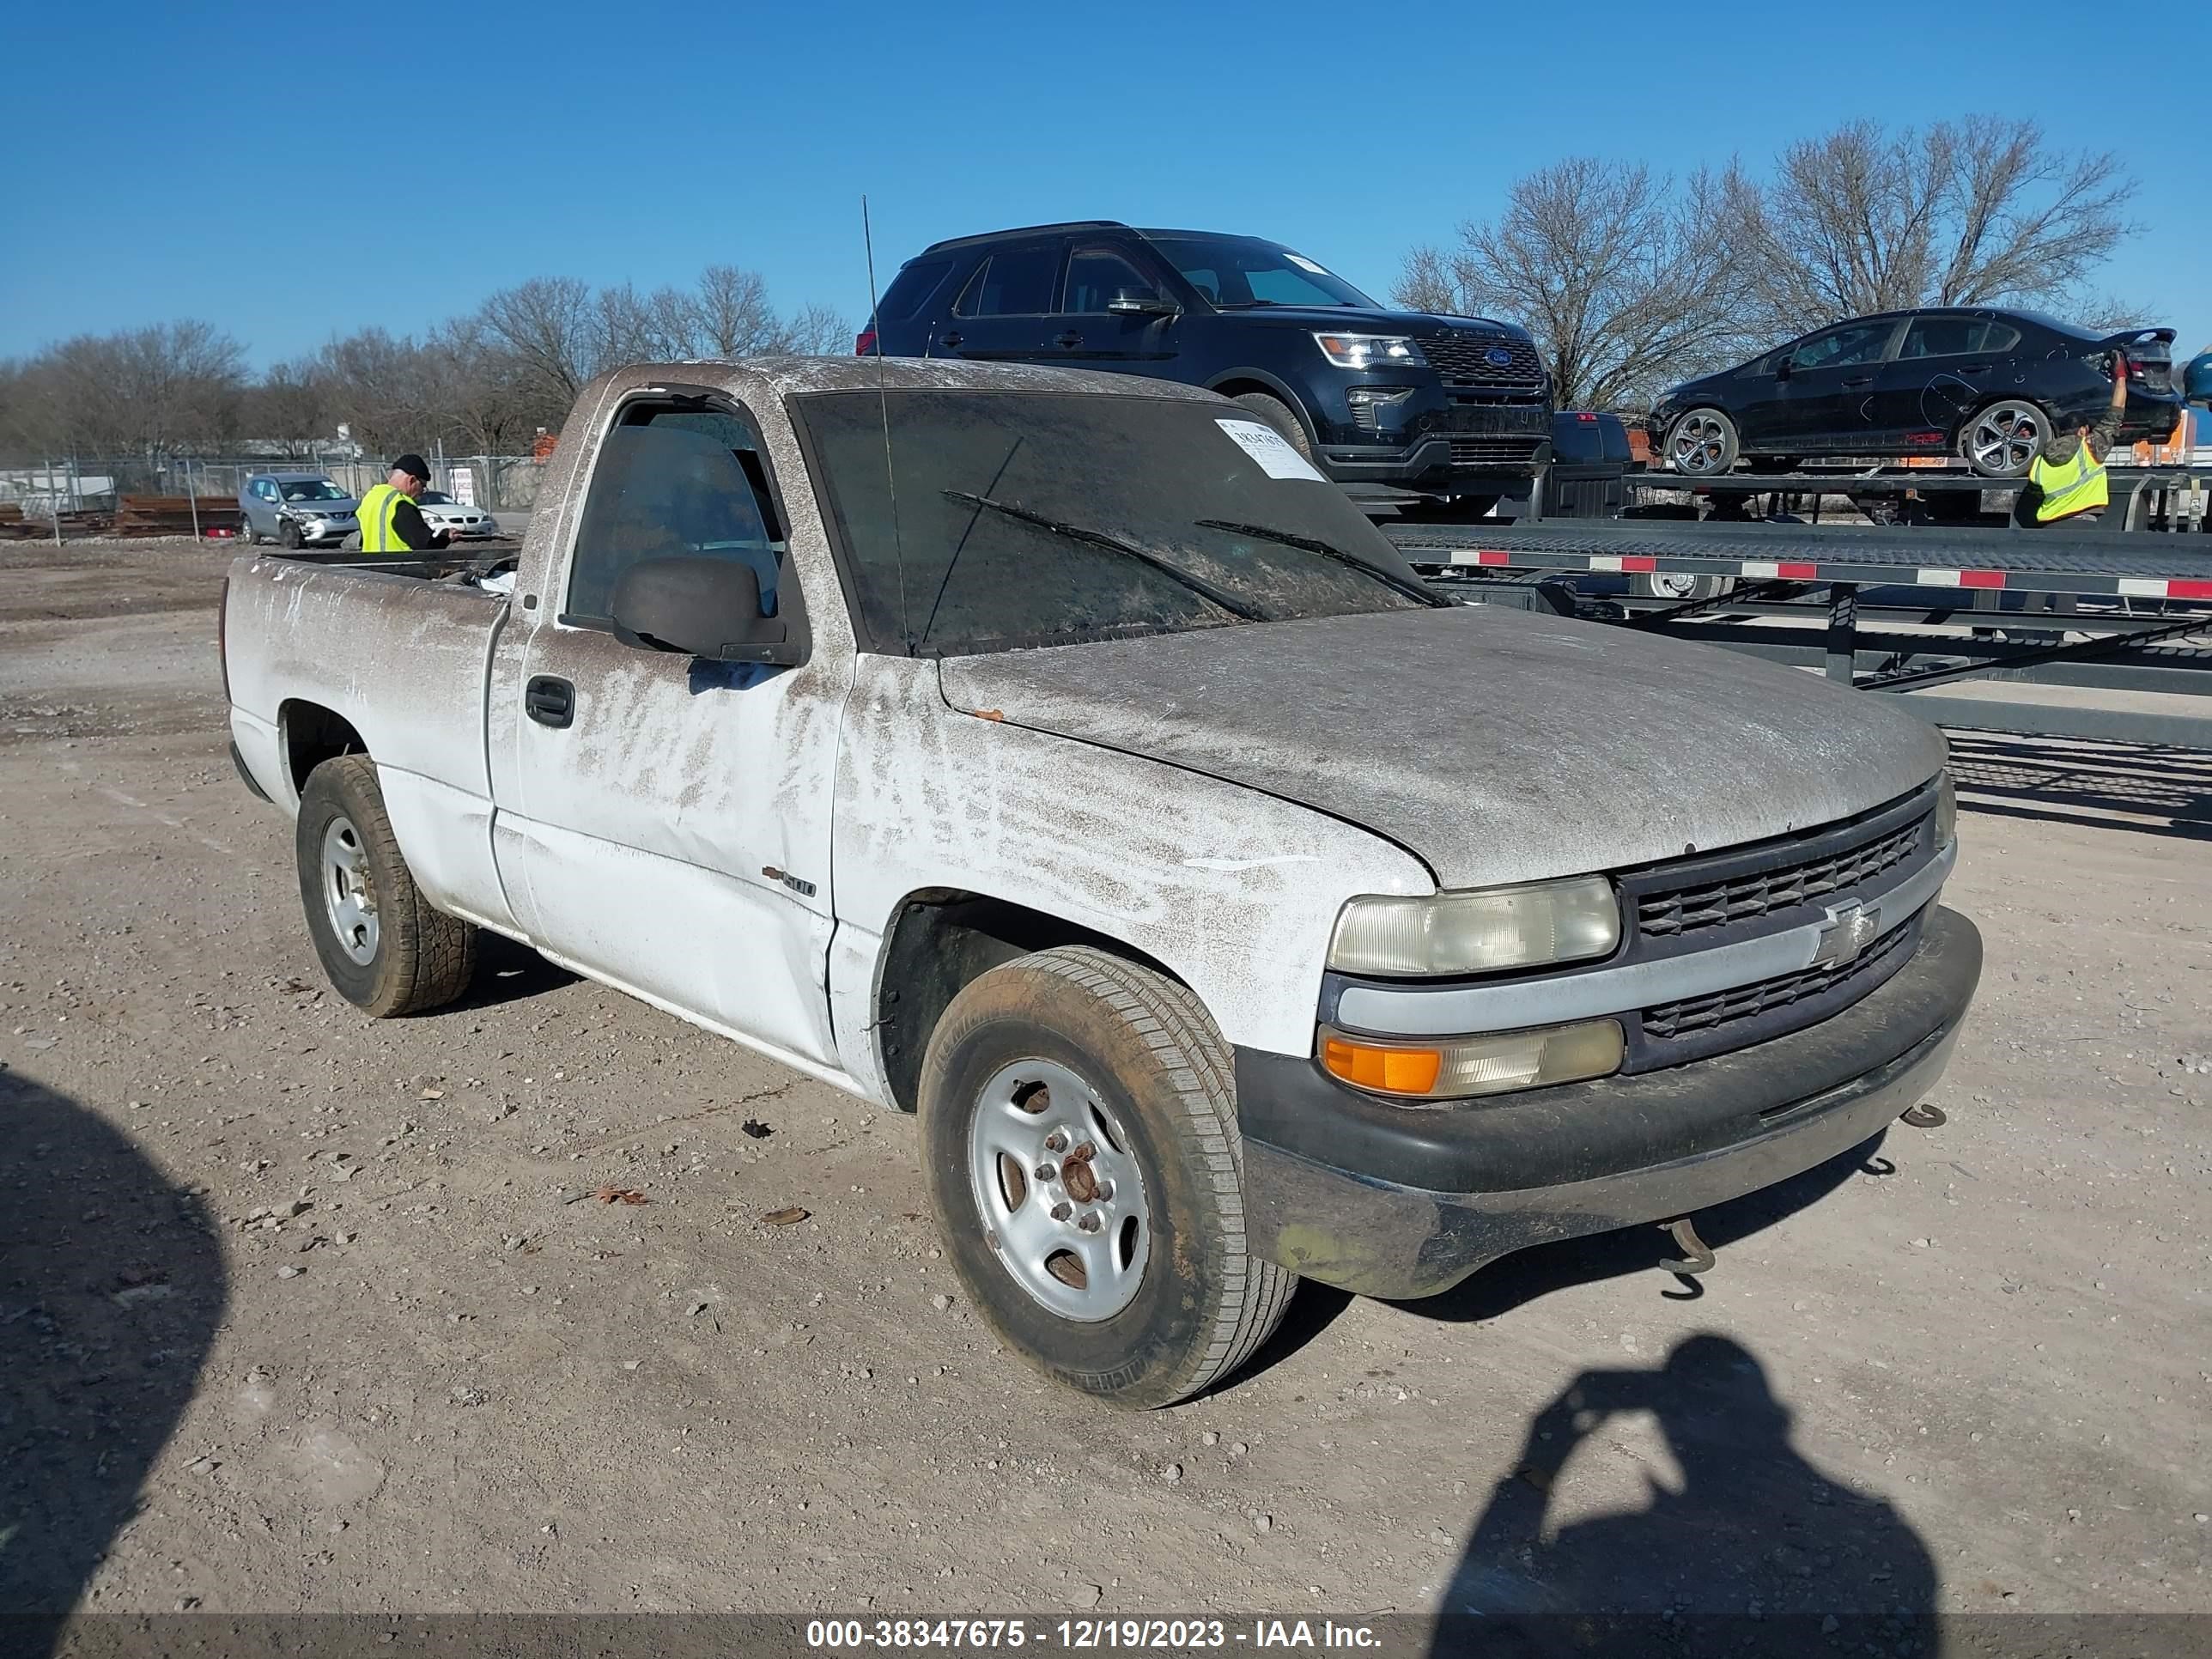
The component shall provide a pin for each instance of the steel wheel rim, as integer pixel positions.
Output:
(1673, 585)
(1700, 442)
(348, 897)
(2006, 438)
(1061, 1195)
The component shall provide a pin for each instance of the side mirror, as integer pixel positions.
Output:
(1143, 304)
(1782, 369)
(708, 608)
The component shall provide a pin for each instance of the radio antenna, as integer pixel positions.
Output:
(883, 411)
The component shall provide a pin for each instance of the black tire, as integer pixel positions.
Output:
(288, 535)
(418, 958)
(1968, 444)
(1149, 1053)
(1703, 443)
(1281, 416)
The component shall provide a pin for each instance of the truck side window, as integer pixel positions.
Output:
(673, 481)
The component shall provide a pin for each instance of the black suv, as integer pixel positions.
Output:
(1452, 409)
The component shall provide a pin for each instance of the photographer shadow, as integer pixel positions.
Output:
(1757, 1551)
(111, 1286)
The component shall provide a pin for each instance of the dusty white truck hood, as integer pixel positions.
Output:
(1494, 745)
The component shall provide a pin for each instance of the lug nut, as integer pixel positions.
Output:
(1061, 1212)
(1105, 1191)
(1046, 1171)
(1090, 1223)
(1055, 1142)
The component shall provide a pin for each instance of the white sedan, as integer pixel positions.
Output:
(441, 512)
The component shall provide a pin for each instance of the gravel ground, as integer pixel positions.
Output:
(481, 1310)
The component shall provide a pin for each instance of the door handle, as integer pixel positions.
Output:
(1975, 369)
(1068, 341)
(950, 342)
(550, 702)
(1859, 381)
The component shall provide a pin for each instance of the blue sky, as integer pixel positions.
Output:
(290, 178)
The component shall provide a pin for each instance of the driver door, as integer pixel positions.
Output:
(671, 819)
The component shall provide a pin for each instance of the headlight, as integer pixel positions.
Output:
(1369, 350)
(1455, 1068)
(1478, 932)
(1946, 810)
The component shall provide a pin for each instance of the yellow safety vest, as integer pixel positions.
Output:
(2068, 487)
(379, 505)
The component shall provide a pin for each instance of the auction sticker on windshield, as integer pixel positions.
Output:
(1265, 445)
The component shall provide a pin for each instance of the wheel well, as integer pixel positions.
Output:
(942, 939)
(313, 734)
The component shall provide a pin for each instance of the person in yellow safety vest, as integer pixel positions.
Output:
(2066, 481)
(391, 522)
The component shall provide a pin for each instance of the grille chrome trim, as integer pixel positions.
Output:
(1549, 998)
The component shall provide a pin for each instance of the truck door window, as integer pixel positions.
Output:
(673, 481)
(1097, 275)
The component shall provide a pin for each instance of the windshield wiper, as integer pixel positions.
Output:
(1413, 589)
(1076, 532)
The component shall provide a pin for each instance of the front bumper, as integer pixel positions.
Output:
(1391, 1201)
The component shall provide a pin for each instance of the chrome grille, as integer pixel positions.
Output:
(1673, 912)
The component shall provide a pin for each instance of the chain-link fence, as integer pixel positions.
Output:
(502, 483)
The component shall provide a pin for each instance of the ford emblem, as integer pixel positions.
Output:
(1499, 357)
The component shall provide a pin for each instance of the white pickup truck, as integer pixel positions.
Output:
(1058, 756)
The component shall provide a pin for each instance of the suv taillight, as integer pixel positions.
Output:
(865, 343)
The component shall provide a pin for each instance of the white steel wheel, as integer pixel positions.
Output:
(1061, 1199)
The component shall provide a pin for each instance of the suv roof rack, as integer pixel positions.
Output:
(1026, 230)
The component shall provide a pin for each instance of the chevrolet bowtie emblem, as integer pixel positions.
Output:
(1850, 927)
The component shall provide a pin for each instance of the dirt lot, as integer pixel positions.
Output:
(302, 1312)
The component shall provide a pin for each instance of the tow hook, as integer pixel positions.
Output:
(1924, 1116)
(1696, 1258)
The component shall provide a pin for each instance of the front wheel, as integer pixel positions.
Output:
(1281, 416)
(2002, 440)
(1702, 443)
(383, 947)
(1079, 1123)
(288, 536)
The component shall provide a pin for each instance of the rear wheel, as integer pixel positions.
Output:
(1702, 442)
(2002, 438)
(1079, 1125)
(1281, 416)
(383, 947)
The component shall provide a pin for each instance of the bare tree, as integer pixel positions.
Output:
(816, 331)
(552, 328)
(1626, 279)
(1978, 212)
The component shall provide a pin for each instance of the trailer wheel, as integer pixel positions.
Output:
(1678, 586)
(383, 947)
(1078, 1124)
(1702, 443)
(1281, 416)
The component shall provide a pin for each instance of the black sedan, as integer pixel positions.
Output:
(1987, 386)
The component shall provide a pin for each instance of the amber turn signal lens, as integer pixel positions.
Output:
(1388, 1070)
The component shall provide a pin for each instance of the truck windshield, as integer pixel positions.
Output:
(1004, 519)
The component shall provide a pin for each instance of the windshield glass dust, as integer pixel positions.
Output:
(1011, 518)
